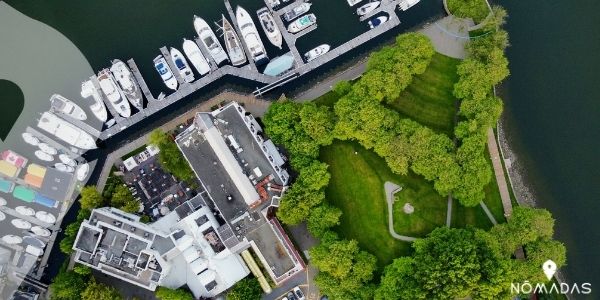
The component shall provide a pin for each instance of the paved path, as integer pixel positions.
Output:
(449, 36)
(499, 173)
(488, 213)
(449, 212)
(390, 190)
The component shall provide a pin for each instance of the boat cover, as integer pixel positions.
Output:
(6, 186)
(279, 65)
(8, 169)
(33, 180)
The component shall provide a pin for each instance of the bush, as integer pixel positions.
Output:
(474, 9)
(246, 289)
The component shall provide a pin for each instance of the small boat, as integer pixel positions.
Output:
(82, 172)
(30, 139)
(273, 3)
(367, 8)
(25, 210)
(65, 159)
(316, 52)
(112, 92)
(406, 4)
(268, 25)
(21, 224)
(233, 44)
(250, 36)
(353, 2)
(297, 11)
(161, 66)
(98, 108)
(127, 83)
(302, 23)
(377, 21)
(64, 168)
(193, 53)
(66, 131)
(48, 149)
(182, 65)
(43, 155)
(40, 231)
(63, 105)
(280, 65)
(209, 40)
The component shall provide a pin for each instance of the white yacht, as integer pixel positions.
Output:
(98, 108)
(367, 8)
(182, 65)
(64, 168)
(302, 23)
(193, 53)
(115, 96)
(65, 159)
(232, 44)
(377, 21)
(67, 107)
(273, 3)
(30, 139)
(161, 66)
(353, 2)
(297, 11)
(316, 52)
(250, 36)
(66, 131)
(268, 25)
(406, 4)
(127, 83)
(209, 40)
(43, 155)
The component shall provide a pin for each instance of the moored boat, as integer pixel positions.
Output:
(273, 3)
(43, 155)
(67, 107)
(209, 40)
(98, 108)
(64, 168)
(268, 25)
(127, 83)
(182, 65)
(302, 23)
(406, 4)
(82, 171)
(250, 36)
(113, 94)
(367, 8)
(30, 139)
(377, 21)
(66, 131)
(353, 2)
(65, 159)
(161, 66)
(47, 148)
(193, 53)
(297, 11)
(316, 52)
(280, 65)
(233, 44)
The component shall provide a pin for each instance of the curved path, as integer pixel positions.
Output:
(390, 190)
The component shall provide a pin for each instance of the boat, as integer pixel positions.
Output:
(64, 168)
(297, 11)
(209, 40)
(65, 159)
(112, 92)
(232, 44)
(82, 172)
(182, 65)
(161, 66)
(377, 21)
(30, 139)
(353, 2)
(302, 23)
(273, 3)
(316, 52)
(280, 65)
(66, 131)
(250, 36)
(98, 108)
(193, 53)
(127, 83)
(367, 8)
(43, 155)
(406, 4)
(47, 148)
(268, 25)
(63, 105)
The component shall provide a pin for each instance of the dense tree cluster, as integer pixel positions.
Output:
(245, 289)
(66, 244)
(163, 293)
(99, 291)
(171, 158)
(474, 9)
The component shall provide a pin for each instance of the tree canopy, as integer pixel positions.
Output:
(90, 198)
(67, 285)
(99, 291)
(170, 157)
(123, 199)
(164, 293)
(245, 289)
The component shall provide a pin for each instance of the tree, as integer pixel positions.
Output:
(66, 244)
(397, 281)
(245, 289)
(297, 203)
(164, 293)
(90, 198)
(99, 291)
(124, 200)
(317, 122)
(322, 218)
(82, 270)
(67, 285)
(525, 225)
(171, 158)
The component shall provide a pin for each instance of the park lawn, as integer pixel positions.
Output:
(429, 208)
(429, 99)
(328, 99)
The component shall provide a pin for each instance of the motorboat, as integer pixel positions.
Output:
(267, 22)
(30, 139)
(98, 108)
(64, 168)
(280, 65)
(47, 148)
(161, 66)
(193, 53)
(367, 8)
(232, 44)
(82, 171)
(113, 93)
(250, 36)
(406, 4)
(65, 106)
(21, 224)
(65, 159)
(182, 65)
(40, 231)
(302, 23)
(209, 40)
(297, 11)
(377, 21)
(353, 2)
(43, 155)
(127, 83)
(316, 52)
(66, 131)
(273, 3)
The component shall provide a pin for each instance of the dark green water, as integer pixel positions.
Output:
(553, 119)
(13, 100)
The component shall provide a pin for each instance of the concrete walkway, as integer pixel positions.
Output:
(488, 213)
(499, 173)
(449, 36)
(390, 190)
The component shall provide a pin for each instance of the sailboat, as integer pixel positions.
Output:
(267, 22)
(98, 108)
(127, 83)
(193, 53)
(233, 44)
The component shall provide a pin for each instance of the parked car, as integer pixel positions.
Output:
(299, 294)
(291, 296)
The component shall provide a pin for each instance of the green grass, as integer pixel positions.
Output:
(474, 9)
(430, 208)
(428, 99)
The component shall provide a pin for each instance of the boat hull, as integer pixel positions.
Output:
(251, 37)
(115, 96)
(127, 83)
(182, 65)
(267, 22)
(98, 108)
(66, 131)
(209, 40)
(165, 72)
(233, 44)
(193, 53)
(302, 23)
(67, 107)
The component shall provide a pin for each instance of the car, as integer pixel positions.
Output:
(291, 296)
(299, 294)
(284, 298)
